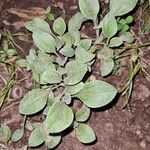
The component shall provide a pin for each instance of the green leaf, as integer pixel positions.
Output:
(85, 44)
(106, 67)
(51, 77)
(83, 56)
(129, 19)
(39, 25)
(5, 133)
(22, 63)
(75, 72)
(44, 41)
(36, 98)
(109, 27)
(59, 26)
(115, 42)
(10, 52)
(89, 8)
(97, 94)
(59, 117)
(36, 138)
(85, 134)
(127, 37)
(67, 51)
(68, 39)
(82, 114)
(17, 135)
(122, 7)
(61, 61)
(52, 141)
(67, 99)
(73, 89)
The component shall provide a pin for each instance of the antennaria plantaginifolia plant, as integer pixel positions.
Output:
(60, 65)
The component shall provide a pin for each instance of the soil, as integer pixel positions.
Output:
(116, 129)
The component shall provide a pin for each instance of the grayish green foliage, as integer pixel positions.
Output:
(17, 135)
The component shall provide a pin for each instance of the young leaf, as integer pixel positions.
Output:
(75, 22)
(22, 63)
(82, 114)
(127, 37)
(97, 94)
(89, 8)
(68, 39)
(73, 89)
(106, 67)
(36, 138)
(75, 72)
(67, 51)
(67, 99)
(85, 134)
(59, 117)
(85, 44)
(5, 133)
(39, 25)
(59, 26)
(115, 42)
(109, 27)
(51, 77)
(44, 41)
(36, 98)
(122, 7)
(17, 135)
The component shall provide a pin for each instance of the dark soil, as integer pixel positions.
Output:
(116, 129)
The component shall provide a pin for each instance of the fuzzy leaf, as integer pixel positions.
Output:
(97, 94)
(85, 44)
(82, 114)
(85, 134)
(89, 8)
(75, 72)
(36, 98)
(59, 26)
(127, 37)
(67, 51)
(22, 63)
(36, 138)
(59, 117)
(109, 27)
(17, 135)
(67, 99)
(44, 42)
(115, 42)
(122, 7)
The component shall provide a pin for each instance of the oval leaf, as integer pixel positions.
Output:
(59, 26)
(85, 134)
(115, 42)
(109, 26)
(67, 51)
(33, 102)
(122, 7)
(44, 41)
(17, 135)
(59, 117)
(97, 94)
(89, 8)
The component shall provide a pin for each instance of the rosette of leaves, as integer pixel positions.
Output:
(60, 65)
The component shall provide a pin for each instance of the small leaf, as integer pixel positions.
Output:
(59, 26)
(73, 89)
(75, 72)
(68, 39)
(67, 51)
(109, 27)
(97, 94)
(39, 25)
(85, 134)
(115, 42)
(36, 98)
(22, 63)
(67, 99)
(89, 8)
(10, 52)
(82, 114)
(36, 138)
(122, 7)
(75, 22)
(127, 37)
(44, 42)
(85, 44)
(5, 133)
(17, 135)
(61, 61)
(129, 19)
(59, 117)
(51, 77)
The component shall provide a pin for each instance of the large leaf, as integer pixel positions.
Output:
(122, 7)
(33, 102)
(36, 138)
(109, 26)
(44, 41)
(97, 94)
(89, 8)
(59, 117)
(59, 26)
(75, 72)
(39, 25)
(85, 134)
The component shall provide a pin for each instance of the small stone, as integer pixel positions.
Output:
(143, 144)
(138, 132)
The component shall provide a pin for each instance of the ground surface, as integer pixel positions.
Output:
(116, 129)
